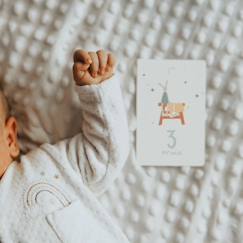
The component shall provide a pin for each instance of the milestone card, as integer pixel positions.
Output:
(171, 112)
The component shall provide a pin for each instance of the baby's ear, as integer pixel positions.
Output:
(12, 136)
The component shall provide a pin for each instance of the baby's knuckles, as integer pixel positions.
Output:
(83, 77)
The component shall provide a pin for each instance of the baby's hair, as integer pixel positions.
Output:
(4, 102)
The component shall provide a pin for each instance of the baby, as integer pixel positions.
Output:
(51, 193)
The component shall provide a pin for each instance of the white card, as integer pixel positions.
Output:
(171, 112)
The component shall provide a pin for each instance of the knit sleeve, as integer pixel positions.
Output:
(100, 150)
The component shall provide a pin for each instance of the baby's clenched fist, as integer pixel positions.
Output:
(92, 67)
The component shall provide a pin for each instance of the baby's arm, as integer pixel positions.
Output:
(100, 150)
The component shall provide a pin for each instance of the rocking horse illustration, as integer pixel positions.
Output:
(170, 110)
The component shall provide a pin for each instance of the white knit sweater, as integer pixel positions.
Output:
(51, 194)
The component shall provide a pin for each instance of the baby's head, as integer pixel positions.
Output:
(9, 148)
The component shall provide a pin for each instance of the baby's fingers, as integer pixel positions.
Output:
(103, 57)
(111, 60)
(94, 66)
(79, 70)
(82, 56)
